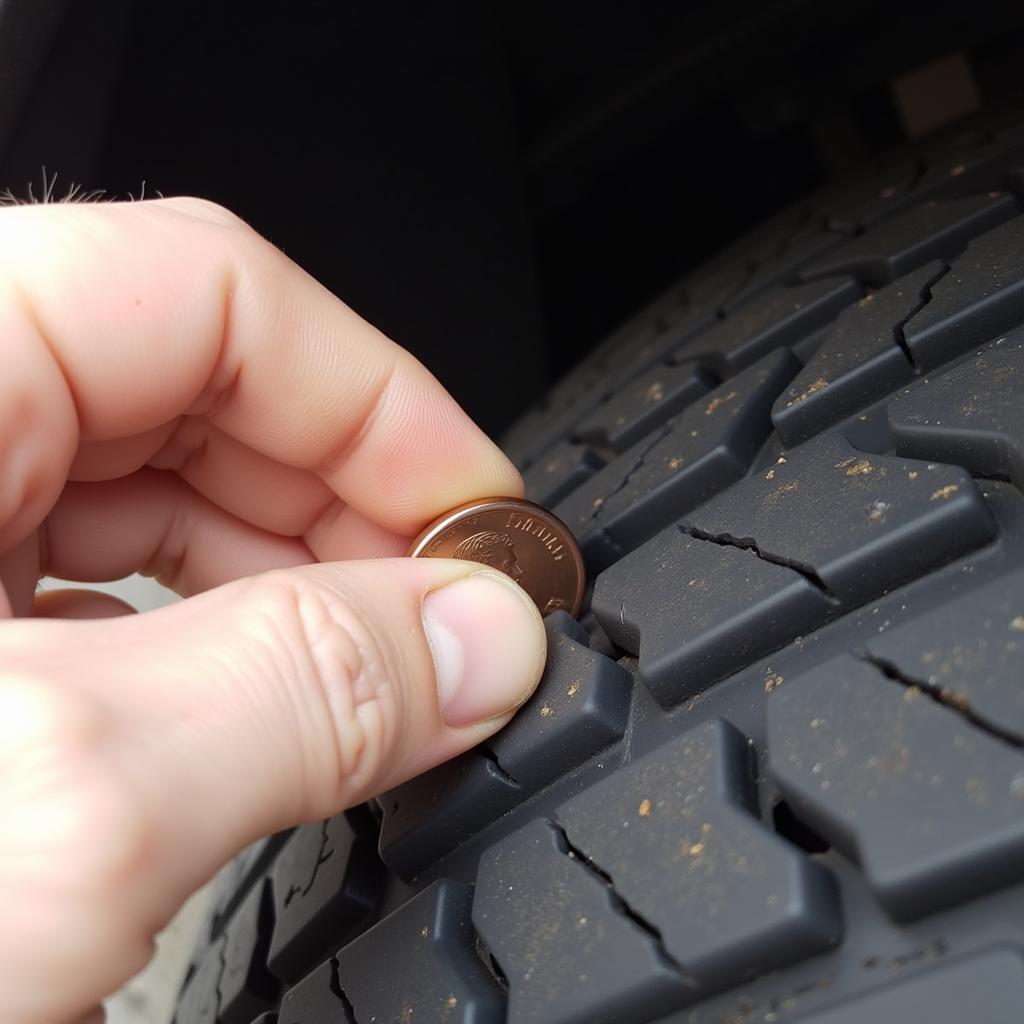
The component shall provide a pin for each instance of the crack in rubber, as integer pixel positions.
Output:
(631, 472)
(944, 696)
(899, 330)
(727, 540)
(323, 855)
(619, 902)
(346, 1004)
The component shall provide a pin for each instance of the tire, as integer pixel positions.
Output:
(776, 771)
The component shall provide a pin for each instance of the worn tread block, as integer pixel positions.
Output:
(431, 814)
(560, 472)
(820, 532)
(315, 1000)
(981, 297)
(570, 952)
(324, 889)
(246, 986)
(677, 834)
(700, 452)
(643, 405)
(200, 1002)
(927, 802)
(984, 989)
(928, 231)
(580, 707)
(780, 317)
(439, 979)
(971, 650)
(970, 415)
(860, 360)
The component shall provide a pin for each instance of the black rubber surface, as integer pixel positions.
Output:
(775, 773)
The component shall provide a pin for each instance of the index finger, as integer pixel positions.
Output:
(116, 319)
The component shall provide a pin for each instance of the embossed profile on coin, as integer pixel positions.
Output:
(490, 548)
(519, 539)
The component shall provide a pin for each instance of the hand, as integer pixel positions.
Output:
(177, 398)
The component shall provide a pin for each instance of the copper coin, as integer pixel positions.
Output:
(518, 537)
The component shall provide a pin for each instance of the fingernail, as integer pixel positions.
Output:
(488, 644)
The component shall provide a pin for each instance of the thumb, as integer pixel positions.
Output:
(167, 741)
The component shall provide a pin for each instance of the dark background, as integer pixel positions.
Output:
(492, 184)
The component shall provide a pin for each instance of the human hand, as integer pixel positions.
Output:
(177, 398)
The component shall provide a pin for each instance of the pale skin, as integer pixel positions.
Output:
(178, 398)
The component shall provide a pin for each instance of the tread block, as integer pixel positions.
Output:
(315, 1000)
(439, 976)
(981, 297)
(970, 415)
(324, 889)
(560, 472)
(200, 1002)
(569, 951)
(780, 317)
(985, 989)
(928, 231)
(860, 360)
(701, 451)
(644, 405)
(677, 834)
(817, 534)
(246, 985)
(971, 650)
(925, 800)
(890, 189)
(810, 242)
(580, 707)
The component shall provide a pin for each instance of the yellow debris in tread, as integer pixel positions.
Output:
(860, 467)
(573, 690)
(452, 1002)
(810, 390)
(546, 711)
(697, 849)
(770, 475)
(676, 462)
(945, 492)
(645, 808)
(771, 682)
(1017, 623)
(912, 475)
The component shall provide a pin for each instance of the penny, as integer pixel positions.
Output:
(519, 538)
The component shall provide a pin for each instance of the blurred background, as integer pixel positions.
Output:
(488, 180)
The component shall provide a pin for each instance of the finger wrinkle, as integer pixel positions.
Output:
(347, 447)
(23, 304)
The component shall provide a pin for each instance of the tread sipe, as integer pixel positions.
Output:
(775, 773)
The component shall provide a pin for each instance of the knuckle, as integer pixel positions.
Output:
(340, 676)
